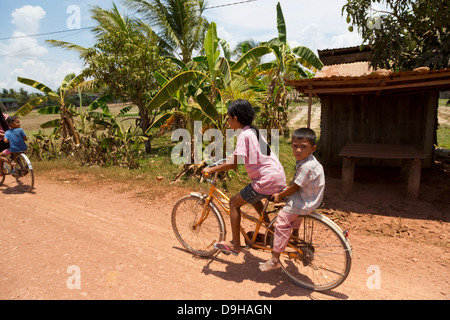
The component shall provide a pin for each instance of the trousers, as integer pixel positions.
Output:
(286, 222)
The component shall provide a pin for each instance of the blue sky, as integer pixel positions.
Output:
(315, 24)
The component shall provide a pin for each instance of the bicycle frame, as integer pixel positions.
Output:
(213, 194)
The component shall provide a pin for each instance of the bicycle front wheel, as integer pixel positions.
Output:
(325, 258)
(197, 232)
(24, 173)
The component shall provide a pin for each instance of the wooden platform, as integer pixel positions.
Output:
(411, 155)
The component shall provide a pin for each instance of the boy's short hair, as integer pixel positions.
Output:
(11, 119)
(305, 134)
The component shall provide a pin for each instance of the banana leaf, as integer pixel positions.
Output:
(40, 86)
(27, 107)
(67, 79)
(170, 88)
(225, 70)
(50, 110)
(307, 58)
(51, 124)
(208, 108)
(211, 48)
(250, 56)
(124, 111)
(73, 83)
(160, 78)
(154, 127)
(99, 103)
(281, 25)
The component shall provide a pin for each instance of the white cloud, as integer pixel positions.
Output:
(26, 19)
(50, 75)
(316, 25)
(23, 56)
(347, 39)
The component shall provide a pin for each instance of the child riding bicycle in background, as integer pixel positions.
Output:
(305, 194)
(16, 137)
(262, 166)
(3, 127)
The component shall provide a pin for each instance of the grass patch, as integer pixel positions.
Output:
(443, 131)
(443, 136)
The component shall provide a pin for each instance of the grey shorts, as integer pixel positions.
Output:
(251, 196)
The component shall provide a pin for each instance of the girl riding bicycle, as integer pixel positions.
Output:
(262, 166)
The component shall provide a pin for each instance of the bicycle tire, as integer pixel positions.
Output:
(23, 173)
(199, 240)
(326, 259)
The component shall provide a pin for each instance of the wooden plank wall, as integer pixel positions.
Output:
(401, 118)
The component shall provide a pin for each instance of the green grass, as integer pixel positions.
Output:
(443, 136)
(443, 132)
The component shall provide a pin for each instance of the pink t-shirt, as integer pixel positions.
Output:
(266, 172)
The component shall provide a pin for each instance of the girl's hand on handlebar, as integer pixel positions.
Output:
(207, 171)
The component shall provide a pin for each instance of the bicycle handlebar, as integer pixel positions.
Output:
(217, 162)
(207, 175)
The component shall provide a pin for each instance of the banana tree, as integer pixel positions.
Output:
(119, 141)
(206, 84)
(66, 123)
(298, 62)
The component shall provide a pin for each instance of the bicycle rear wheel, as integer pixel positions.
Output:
(23, 173)
(325, 260)
(197, 236)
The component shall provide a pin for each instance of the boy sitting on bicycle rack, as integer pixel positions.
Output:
(305, 194)
(16, 138)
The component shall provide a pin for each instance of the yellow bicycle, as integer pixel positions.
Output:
(319, 258)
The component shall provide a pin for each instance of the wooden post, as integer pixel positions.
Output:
(309, 110)
(348, 172)
(415, 169)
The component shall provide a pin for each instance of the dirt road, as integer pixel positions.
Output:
(75, 239)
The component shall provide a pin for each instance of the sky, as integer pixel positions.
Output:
(26, 24)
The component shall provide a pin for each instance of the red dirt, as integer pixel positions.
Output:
(120, 239)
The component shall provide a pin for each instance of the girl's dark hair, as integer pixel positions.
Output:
(3, 123)
(244, 112)
(305, 134)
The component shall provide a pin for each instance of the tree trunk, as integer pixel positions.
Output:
(143, 113)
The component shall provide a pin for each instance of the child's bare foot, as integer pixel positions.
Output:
(269, 265)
